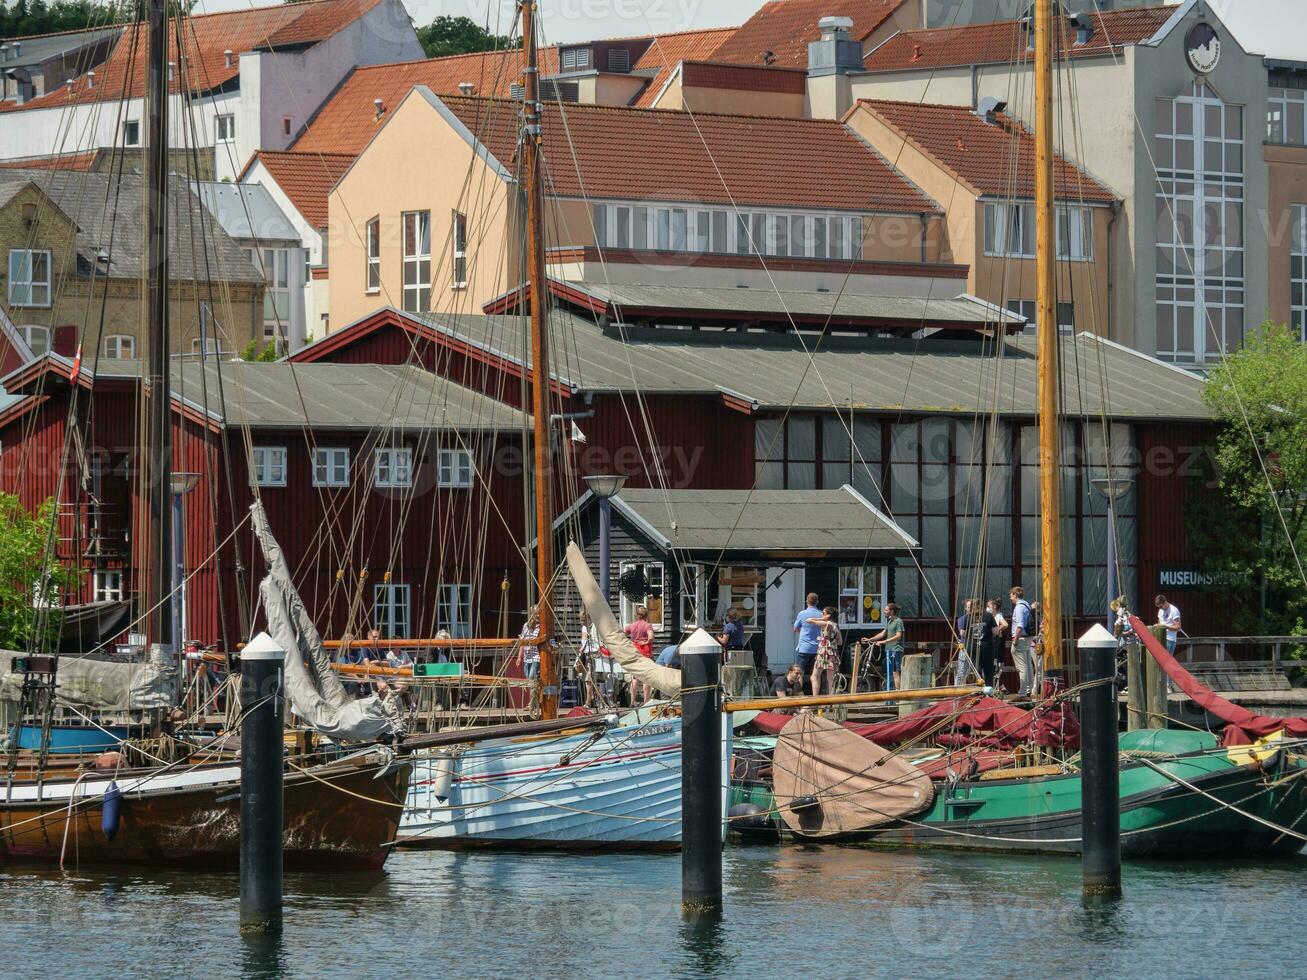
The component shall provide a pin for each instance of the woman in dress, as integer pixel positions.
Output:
(827, 662)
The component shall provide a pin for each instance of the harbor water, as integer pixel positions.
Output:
(790, 911)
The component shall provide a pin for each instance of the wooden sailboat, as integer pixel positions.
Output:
(338, 814)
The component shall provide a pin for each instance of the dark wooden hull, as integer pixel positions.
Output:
(344, 816)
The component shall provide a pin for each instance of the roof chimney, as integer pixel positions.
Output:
(4, 52)
(90, 79)
(17, 48)
(1084, 25)
(380, 108)
(467, 88)
(172, 70)
(227, 57)
(989, 107)
(830, 60)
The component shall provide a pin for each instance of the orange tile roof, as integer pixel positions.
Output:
(658, 155)
(306, 178)
(1008, 40)
(995, 158)
(206, 38)
(785, 27)
(347, 121)
(669, 50)
(81, 160)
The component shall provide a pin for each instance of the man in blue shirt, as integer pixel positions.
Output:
(1021, 652)
(809, 634)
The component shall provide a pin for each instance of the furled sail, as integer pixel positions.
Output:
(666, 679)
(829, 781)
(315, 691)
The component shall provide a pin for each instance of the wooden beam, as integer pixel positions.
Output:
(870, 697)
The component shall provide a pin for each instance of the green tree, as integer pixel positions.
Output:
(460, 35)
(1254, 527)
(26, 574)
(262, 353)
(26, 17)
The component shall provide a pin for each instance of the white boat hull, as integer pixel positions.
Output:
(619, 788)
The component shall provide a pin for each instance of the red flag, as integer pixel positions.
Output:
(77, 365)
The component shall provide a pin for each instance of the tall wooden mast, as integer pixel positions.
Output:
(1050, 498)
(158, 473)
(538, 294)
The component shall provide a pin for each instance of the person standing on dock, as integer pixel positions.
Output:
(1022, 656)
(892, 639)
(966, 659)
(809, 636)
(528, 653)
(1168, 615)
(641, 633)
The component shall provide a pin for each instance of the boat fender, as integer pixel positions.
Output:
(111, 811)
(442, 765)
(748, 816)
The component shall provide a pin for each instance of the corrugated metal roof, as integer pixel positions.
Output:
(766, 520)
(246, 211)
(363, 397)
(917, 309)
(37, 47)
(879, 374)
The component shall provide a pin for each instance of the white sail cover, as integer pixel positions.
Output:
(100, 686)
(315, 691)
(666, 679)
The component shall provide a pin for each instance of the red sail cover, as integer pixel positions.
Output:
(967, 720)
(1241, 725)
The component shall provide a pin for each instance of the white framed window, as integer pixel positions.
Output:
(36, 337)
(268, 466)
(694, 596)
(120, 346)
(274, 263)
(1199, 275)
(373, 244)
(862, 595)
(393, 467)
(1298, 271)
(29, 277)
(224, 125)
(454, 469)
(209, 346)
(1286, 116)
(132, 132)
(454, 609)
(459, 250)
(417, 261)
(1010, 231)
(390, 609)
(702, 230)
(108, 585)
(330, 467)
(653, 597)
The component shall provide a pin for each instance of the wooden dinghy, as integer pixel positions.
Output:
(830, 782)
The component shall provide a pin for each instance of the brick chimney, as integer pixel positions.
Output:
(830, 60)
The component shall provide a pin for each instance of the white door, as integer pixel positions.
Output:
(785, 595)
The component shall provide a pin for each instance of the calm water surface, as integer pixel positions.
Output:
(791, 911)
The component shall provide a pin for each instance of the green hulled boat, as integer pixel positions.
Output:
(1160, 816)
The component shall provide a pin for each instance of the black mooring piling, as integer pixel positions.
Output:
(1100, 772)
(701, 776)
(263, 706)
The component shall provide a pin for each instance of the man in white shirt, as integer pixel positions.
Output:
(1168, 615)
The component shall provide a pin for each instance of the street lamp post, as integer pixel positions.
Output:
(1113, 488)
(182, 484)
(605, 488)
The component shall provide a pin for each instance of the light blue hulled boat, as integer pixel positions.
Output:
(618, 786)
